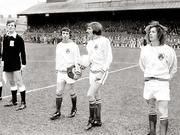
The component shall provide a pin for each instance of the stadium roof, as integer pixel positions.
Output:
(99, 5)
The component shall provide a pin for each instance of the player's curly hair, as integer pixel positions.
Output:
(96, 26)
(161, 31)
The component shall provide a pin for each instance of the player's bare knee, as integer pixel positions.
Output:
(19, 83)
(163, 113)
(59, 94)
(163, 109)
(70, 87)
(152, 106)
(90, 96)
(98, 101)
(72, 92)
(163, 118)
(72, 95)
(22, 88)
(14, 87)
(152, 109)
(12, 83)
(92, 101)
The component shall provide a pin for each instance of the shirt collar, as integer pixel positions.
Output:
(13, 34)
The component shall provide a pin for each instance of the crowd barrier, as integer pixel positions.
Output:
(117, 39)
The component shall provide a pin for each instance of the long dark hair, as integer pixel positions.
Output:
(161, 31)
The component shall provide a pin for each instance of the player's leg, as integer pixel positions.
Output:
(92, 104)
(99, 80)
(149, 95)
(22, 89)
(97, 121)
(70, 88)
(1, 90)
(163, 109)
(152, 116)
(59, 97)
(163, 97)
(13, 87)
(96, 79)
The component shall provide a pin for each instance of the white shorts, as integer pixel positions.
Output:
(62, 76)
(156, 89)
(99, 77)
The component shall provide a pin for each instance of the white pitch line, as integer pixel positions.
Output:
(133, 66)
(35, 61)
(117, 62)
(50, 61)
(51, 86)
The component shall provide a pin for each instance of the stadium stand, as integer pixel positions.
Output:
(123, 20)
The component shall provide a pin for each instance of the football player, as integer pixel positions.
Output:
(159, 63)
(67, 55)
(13, 62)
(0, 68)
(100, 57)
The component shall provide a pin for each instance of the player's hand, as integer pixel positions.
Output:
(23, 66)
(105, 69)
(82, 67)
(77, 68)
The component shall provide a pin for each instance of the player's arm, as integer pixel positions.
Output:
(76, 58)
(23, 53)
(108, 55)
(173, 64)
(141, 60)
(2, 50)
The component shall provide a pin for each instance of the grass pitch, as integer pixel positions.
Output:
(124, 111)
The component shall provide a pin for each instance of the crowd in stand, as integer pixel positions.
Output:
(122, 34)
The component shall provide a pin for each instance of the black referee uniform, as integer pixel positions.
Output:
(13, 53)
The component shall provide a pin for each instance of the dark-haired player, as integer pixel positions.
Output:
(159, 63)
(67, 54)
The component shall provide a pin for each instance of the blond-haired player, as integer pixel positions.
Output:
(159, 63)
(100, 57)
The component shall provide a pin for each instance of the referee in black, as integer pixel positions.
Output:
(0, 68)
(13, 62)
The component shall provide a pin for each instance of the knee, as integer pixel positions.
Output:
(152, 106)
(163, 113)
(59, 94)
(12, 83)
(91, 98)
(163, 110)
(13, 88)
(72, 92)
(22, 88)
(72, 95)
(98, 101)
